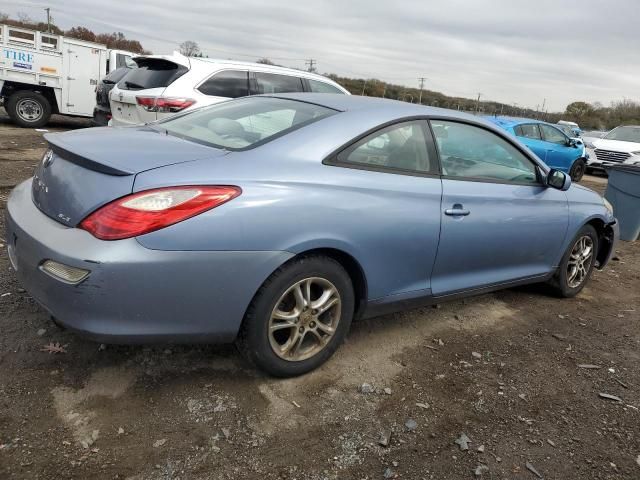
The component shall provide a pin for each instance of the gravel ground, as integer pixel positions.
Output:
(507, 370)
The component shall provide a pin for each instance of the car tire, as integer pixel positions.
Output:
(298, 344)
(577, 170)
(567, 282)
(28, 109)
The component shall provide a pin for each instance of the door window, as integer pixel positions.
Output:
(322, 87)
(227, 83)
(401, 147)
(530, 130)
(275, 83)
(553, 135)
(472, 152)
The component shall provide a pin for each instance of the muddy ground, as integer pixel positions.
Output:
(501, 368)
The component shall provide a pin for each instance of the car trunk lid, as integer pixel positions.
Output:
(89, 168)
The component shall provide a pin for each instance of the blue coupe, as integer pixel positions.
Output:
(553, 146)
(273, 221)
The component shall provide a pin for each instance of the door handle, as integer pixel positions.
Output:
(457, 211)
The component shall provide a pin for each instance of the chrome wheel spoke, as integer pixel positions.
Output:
(325, 328)
(295, 329)
(579, 261)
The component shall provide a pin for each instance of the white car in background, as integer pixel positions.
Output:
(620, 146)
(163, 85)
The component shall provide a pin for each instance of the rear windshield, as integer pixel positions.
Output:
(244, 123)
(116, 75)
(151, 73)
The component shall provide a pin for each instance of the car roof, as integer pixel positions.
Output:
(276, 68)
(395, 108)
(507, 122)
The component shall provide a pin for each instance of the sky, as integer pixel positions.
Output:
(512, 51)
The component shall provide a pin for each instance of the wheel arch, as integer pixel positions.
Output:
(9, 88)
(605, 240)
(348, 262)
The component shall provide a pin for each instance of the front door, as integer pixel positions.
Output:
(499, 223)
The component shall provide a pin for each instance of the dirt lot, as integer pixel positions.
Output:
(502, 368)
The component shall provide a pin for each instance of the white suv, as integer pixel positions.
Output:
(165, 84)
(620, 146)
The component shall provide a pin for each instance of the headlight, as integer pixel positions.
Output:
(589, 145)
(607, 205)
(635, 153)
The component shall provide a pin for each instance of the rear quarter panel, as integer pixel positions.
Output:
(292, 202)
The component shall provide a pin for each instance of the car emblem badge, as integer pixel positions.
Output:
(47, 159)
(120, 96)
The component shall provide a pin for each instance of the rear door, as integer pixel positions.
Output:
(264, 82)
(83, 74)
(132, 100)
(499, 223)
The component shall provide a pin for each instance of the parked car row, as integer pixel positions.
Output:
(163, 85)
(549, 143)
(275, 220)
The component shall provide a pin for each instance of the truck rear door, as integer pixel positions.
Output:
(83, 73)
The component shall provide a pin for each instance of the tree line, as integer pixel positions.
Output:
(588, 116)
(115, 40)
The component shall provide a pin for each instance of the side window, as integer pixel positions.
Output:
(227, 83)
(275, 83)
(322, 87)
(124, 61)
(553, 135)
(473, 152)
(530, 130)
(399, 147)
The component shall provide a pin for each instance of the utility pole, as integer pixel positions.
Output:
(311, 62)
(364, 85)
(501, 108)
(48, 10)
(421, 79)
(478, 103)
(384, 90)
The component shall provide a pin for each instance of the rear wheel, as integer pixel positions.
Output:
(577, 170)
(299, 317)
(577, 264)
(29, 109)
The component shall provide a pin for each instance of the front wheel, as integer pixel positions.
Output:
(299, 317)
(577, 170)
(29, 109)
(577, 263)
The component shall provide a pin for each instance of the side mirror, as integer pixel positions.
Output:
(558, 179)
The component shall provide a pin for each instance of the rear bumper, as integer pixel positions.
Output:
(133, 294)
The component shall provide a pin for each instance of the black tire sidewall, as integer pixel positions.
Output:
(254, 336)
(38, 97)
(563, 284)
(581, 164)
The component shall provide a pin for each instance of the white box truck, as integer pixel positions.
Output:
(43, 73)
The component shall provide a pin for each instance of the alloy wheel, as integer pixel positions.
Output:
(305, 319)
(579, 262)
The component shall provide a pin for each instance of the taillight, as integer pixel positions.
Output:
(151, 210)
(164, 104)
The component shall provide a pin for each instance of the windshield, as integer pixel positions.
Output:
(244, 123)
(624, 134)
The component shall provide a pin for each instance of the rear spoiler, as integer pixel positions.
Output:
(176, 58)
(58, 149)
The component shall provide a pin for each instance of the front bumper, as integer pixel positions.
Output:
(133, 294)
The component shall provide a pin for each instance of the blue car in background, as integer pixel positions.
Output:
(548, 142)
